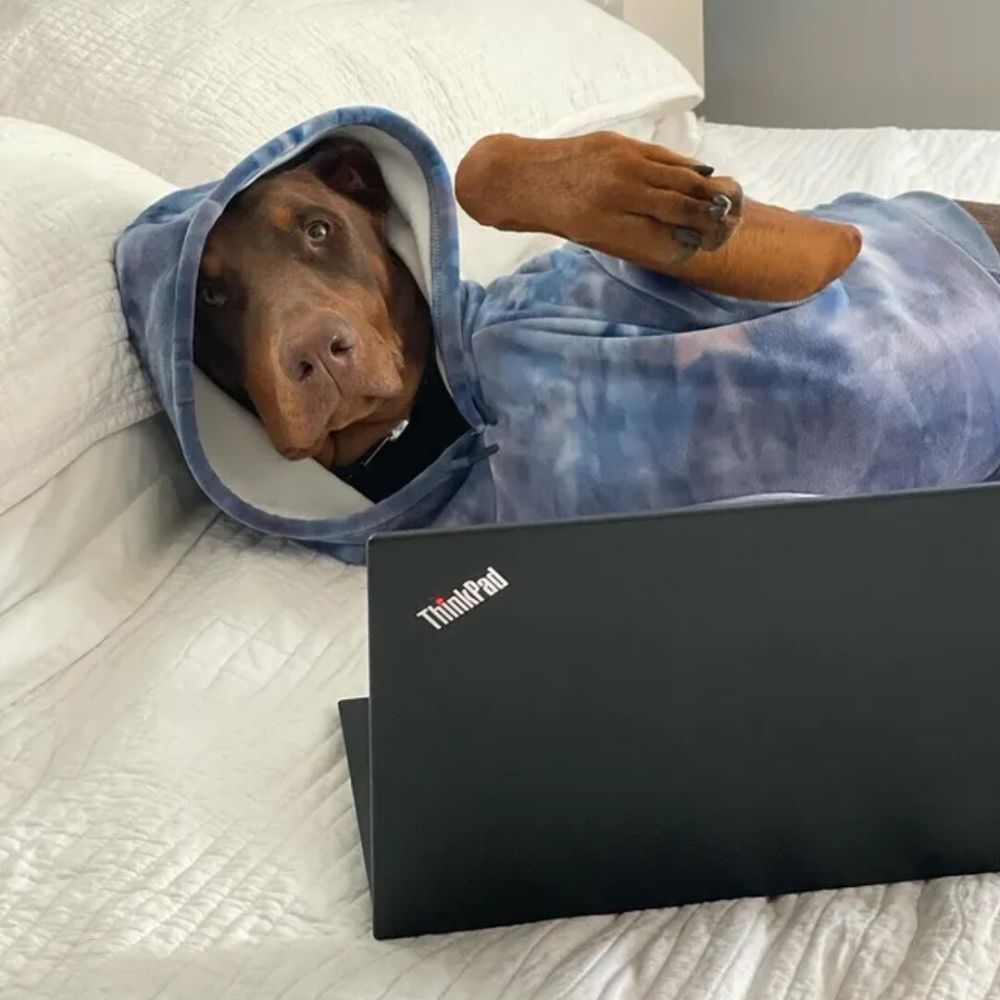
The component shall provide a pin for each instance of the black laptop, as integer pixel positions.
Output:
(608, 715)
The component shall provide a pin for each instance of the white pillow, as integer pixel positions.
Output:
(187, 88)
(68, 376)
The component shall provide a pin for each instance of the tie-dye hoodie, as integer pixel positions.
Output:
(593, 386)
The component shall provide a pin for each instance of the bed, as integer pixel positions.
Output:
(175, 814)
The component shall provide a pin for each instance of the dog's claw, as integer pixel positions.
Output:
(721, 207)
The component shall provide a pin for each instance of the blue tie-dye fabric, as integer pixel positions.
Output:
(593, 386)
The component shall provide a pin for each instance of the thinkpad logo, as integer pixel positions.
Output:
(443, 611)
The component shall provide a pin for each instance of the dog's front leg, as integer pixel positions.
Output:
(651, 206)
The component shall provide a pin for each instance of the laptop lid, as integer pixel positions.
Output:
(647, 711)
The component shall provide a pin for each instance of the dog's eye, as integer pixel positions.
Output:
(318, 231)
(212, 296)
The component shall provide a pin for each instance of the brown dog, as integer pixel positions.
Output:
(307, 316)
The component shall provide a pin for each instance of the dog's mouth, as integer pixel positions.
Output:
(359, 413)
(357, 409)
(325, 446)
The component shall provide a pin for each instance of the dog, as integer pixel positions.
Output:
(685, 344)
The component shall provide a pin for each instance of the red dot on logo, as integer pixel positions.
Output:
(439, 600)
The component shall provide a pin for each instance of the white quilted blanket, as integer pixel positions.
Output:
(175, 815)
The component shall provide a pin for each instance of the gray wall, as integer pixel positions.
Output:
(838, 63)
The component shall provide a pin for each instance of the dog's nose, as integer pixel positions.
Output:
(317, 350)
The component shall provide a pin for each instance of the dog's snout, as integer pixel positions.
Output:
(317, 350)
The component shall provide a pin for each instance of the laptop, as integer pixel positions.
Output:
(617, 714)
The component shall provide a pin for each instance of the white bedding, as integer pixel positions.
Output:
(175, 813)
(799, 168)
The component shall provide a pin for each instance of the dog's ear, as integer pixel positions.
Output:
(349, 168)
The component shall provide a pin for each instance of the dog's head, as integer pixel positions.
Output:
(294, 312)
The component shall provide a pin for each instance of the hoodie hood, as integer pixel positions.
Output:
(157, 261)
